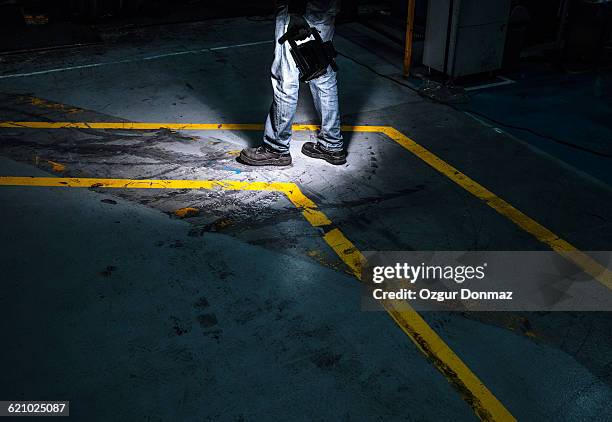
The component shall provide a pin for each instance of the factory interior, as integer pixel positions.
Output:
(150, 274)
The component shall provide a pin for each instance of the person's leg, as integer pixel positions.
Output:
(285, 87)
(324, 91)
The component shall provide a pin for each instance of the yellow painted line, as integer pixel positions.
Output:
(544, 235)
(173, 126)
(42, 103)
(309, 209)
(474, 392)
(57, 167)
(528, 224)
(486, 406)
(186, 212)
(345, 249)
(85, 182)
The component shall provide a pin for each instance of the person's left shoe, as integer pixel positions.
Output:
(316, 150)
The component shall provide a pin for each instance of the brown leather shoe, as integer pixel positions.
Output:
(263, 156)
(315, 150)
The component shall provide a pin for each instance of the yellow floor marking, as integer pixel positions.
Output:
(172, 126)
(186, 212)
(486, 406)
(57, 167)
(309, 209)
(345, 249)
(544, 235)
(474, 392)
(39, 102)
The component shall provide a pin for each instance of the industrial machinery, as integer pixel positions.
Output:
(465, 37)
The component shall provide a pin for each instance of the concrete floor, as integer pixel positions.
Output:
(242, 311)
(573, 108)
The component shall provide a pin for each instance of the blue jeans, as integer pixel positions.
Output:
(286, 84)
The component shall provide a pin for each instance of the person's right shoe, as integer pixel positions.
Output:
(316, 150)
(263, 156)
